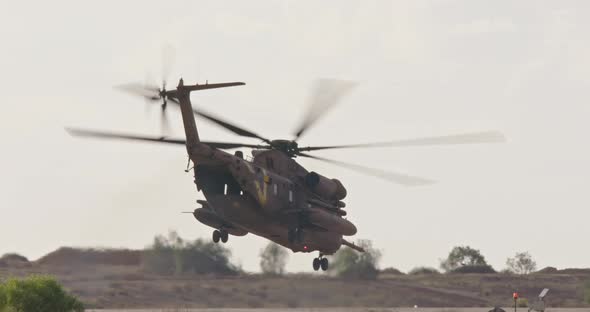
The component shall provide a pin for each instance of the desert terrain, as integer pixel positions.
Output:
(116, 280)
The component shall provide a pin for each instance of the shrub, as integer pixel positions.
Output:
(474, 269)
(273, 259)
(423, 271)
(522, 303)
(548, 270)
(351, 264)
(36, 293)
(172, 255)
(392, 271)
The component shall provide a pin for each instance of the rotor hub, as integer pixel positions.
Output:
(289, 147)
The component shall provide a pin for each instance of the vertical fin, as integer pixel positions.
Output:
(182, 93)
(188, 117)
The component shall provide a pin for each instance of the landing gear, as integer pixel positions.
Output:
(224, 236)
(220, 235)
(316, 264)
(216, 236)
(320, 262)
(324, 264)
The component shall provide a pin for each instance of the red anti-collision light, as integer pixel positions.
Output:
(305, 247)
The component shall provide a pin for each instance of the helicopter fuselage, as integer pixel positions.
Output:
(265, 197)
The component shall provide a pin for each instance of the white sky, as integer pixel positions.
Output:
(424, 68)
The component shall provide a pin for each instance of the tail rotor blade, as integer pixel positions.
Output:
(164, 123)
(168, 57)
(148, 92)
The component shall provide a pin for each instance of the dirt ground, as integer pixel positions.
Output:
(116, 281)
(352, 310)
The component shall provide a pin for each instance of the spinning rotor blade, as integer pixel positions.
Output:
(168, 57)
(133, 137)
(394, 177)
(465, 138)
(325, 95)
(233, 128)
(146, 91)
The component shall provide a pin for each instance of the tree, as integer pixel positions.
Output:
(352, 264)
(273, 259)
(522, 263)
(463, 256)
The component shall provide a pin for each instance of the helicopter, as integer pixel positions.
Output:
(271, 195)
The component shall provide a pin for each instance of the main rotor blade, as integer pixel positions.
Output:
(394, 177)
(465, 138)
(325, 95)
(231, 127)
(133, 137)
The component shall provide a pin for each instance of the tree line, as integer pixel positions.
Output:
(171, 255)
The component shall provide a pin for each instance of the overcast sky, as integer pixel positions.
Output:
(423, 67)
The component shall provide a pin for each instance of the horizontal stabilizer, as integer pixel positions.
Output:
(213, 85)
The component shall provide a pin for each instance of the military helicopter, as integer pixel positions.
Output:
(271, 195)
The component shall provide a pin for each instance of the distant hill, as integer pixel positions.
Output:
(114, 278)
(67, 256)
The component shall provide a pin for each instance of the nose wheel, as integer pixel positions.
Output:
(220, 235)
(320, 263)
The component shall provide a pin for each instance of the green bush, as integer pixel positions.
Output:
(36, 294)
(172, 255)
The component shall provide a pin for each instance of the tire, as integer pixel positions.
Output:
(316, 264)
(324, 264)
(224, 236)
(216, 236)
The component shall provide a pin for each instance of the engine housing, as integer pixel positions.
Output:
(325, 187)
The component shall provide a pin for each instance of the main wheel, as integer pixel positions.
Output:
(224, 236)
(324, 264)
(216, 236)
(316, 264)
